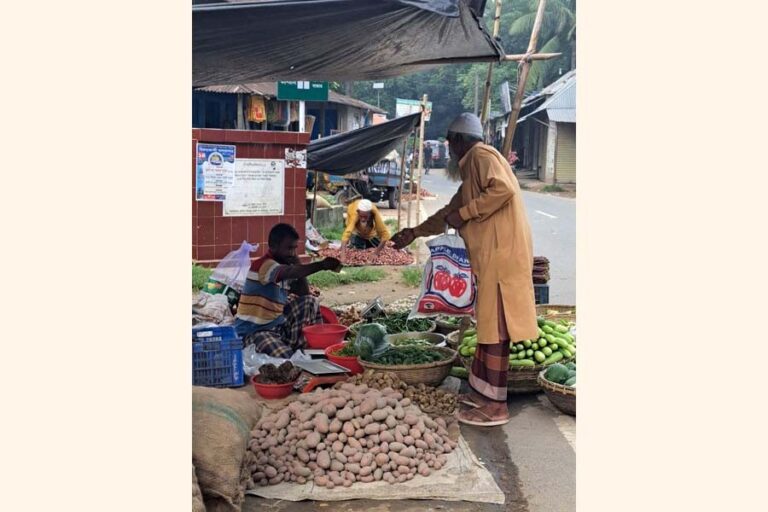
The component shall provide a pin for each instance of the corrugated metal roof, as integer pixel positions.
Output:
(562, 115)
(269, 90)
(561, 105)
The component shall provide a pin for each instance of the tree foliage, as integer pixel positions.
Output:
(451, 88)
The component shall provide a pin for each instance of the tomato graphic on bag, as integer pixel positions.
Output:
(442, 279)
(458, 285)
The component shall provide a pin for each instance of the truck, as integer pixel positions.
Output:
(379, 182)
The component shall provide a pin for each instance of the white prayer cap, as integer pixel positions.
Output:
(467, 123)
(364, 205)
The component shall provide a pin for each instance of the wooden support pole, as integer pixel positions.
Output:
(522, 76)
(517, 57)
(421, 163)
(489, 76)
(402, 183)
(314, 200)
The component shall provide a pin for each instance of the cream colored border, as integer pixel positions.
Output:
(671, 256)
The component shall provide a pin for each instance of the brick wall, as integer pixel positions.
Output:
(213, 235)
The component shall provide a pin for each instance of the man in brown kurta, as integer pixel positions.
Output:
(489, 213)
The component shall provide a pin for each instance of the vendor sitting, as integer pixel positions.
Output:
(365, 227)
(266, 317)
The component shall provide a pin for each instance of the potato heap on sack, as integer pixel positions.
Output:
(337, 437)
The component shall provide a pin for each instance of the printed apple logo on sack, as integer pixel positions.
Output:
(458, 284)
(442, 279)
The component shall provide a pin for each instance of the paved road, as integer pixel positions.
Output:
(553, 223)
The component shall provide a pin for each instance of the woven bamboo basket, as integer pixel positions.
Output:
(447, 327)
(520, 379)
(434, 338)
(452, 340)
(353, 328)
(556, 312)
(562, 397)
(430, 374)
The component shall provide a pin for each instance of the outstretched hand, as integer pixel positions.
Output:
(403, 238)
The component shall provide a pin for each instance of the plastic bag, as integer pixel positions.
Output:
(233, 269)
(448, 286)
(252, 360)
(228, 278)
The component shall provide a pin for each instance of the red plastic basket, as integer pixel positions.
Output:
(329, 317)
(272, 391)
(324, 335)
(349, 362)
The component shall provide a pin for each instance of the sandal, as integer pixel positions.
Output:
(467, 399)
(488, 422)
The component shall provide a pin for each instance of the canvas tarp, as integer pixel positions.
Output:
(353, 151)
(463, 478)
(240, 41)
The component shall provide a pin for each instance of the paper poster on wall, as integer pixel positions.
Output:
(295, 158)
(257, 188)
(215, 171)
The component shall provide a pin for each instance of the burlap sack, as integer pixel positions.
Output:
(197, 496)
(222, 420)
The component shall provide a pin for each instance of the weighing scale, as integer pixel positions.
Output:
(319, 372)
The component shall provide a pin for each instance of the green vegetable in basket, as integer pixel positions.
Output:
(556, 373)
(513, 348)
(370, 342)
(470, 332)
(571, 373)
(529, 353)
(535, 346)
(539, 356)
(555, 357)
(396, 356)
(546, 351)
(521, 354)
(571, 365)
(527, 343)
(571, 382)
(347, 351)
(460, 372)
(522, 362)
(561, 328)
(566, 353)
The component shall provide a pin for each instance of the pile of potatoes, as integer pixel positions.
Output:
(337, 437)
(429, 399)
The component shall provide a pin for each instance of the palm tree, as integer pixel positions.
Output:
(558, 34)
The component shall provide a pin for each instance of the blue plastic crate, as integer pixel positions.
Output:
(217, 333)
(217, 363)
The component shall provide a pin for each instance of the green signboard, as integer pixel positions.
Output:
(302, 90)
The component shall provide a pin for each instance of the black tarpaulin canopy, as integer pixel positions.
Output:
(353, 151)
(240, 41)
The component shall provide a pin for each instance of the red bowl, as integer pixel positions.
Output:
(272, 391)
(324, 335)
(329, 317)
(345, 361)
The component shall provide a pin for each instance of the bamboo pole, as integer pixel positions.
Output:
(522, 76)
(421, 163)
(489, 76)
(534, 56)
(402, 182)
(314, 199)
(410, 187)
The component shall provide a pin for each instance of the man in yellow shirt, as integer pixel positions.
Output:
(365, 227)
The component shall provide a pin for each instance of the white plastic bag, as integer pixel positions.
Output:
(233, 269)
(252, 360)
(448, 286)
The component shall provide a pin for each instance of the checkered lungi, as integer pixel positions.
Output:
(287, 338)
(490, 366)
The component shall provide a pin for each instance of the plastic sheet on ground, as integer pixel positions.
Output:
(463, 478)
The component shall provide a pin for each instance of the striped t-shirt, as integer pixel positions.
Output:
(263, 297)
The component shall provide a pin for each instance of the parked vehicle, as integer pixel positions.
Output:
(439, 153)
(380, 182)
